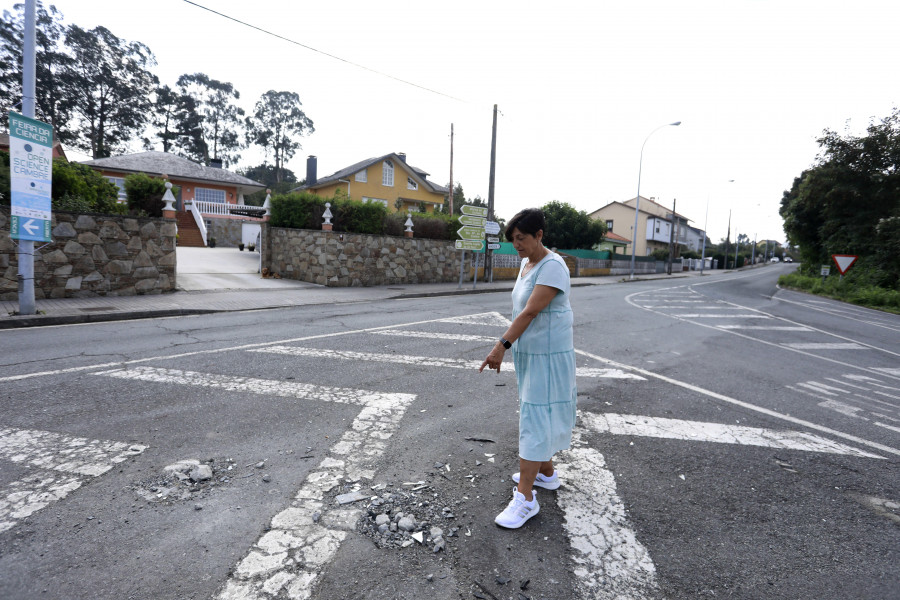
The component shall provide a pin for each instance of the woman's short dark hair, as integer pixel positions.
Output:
(528, 221)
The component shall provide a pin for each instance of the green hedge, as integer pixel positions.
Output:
(304, 210)
(145, 194)
(846, 290)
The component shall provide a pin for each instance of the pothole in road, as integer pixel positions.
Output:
(191, 479)
(888, 509)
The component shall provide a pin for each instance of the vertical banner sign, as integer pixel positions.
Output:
(31, 166)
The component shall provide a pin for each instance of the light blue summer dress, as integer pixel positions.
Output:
(544, 357)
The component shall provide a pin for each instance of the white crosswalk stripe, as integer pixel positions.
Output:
(824, 346)
(426, 361)
(461, 337)
(57, 465)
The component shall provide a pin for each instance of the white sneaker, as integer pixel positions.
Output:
(542, 481)
(518, 511)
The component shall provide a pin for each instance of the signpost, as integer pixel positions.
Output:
(492, 227)
(31, 165)
(476, 245)
(844, 262)
(826, 270)
(472, 234)
(493, 246)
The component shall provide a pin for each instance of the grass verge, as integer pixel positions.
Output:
(845, 291)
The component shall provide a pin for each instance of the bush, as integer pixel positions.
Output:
(96, 193)
(145, 194)
(850, 289)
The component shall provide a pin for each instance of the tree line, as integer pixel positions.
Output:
(98, 92)
(848, 202)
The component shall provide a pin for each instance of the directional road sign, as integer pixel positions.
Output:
(493, 246)
(31, 167)
(469, 245)
(492, 227)
(844, 261)
(470, 220)
(493, 240)
(471, 233)
(475, 211)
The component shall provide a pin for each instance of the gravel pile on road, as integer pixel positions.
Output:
(189, 479)
(413, 513)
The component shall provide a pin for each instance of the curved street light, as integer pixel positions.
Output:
(637, 204)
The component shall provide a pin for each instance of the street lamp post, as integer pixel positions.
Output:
(637, 203)
(705, 223)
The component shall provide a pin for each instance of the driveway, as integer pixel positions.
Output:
(225, 269)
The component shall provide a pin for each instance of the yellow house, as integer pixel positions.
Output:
(387, 179)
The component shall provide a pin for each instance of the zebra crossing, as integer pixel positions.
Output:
(306, 535)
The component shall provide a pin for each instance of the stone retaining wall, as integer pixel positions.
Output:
(350, 259)
(94, 255)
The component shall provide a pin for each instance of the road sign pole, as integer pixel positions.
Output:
(26, 247)
(462, 264)
(475, 276)
(489, 254)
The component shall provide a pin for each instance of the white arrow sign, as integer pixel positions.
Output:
(30, 226)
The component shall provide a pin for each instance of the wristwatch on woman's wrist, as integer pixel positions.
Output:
(505, 343)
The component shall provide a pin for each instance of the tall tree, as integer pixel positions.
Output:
(277, 121)
(220, 134)
(174, 118)
(50, 61)
(106, 87)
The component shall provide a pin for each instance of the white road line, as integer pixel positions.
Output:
(490, 317)
(273, 387)
(462, 337)
(712, 316)
(630, 300)
(58, 465)
(824, 346)
(891, 427)
(304, 537)
(765, 327)
(888, 371)
(427, 361)
(747, 405)
(677, 429)
(611, 564)
(863, 320)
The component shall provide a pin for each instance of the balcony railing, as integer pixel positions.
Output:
(227, 210)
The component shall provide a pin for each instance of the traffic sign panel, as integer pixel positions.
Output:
(469, 245)
(475, 211)
(492, 227)
(492, 239)
(470, 220)
(31, 162)
(471, 233)
(844, 261)
(493, 246)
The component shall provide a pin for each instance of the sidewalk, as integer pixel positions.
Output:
(211, 287)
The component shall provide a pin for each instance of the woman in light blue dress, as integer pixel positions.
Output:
(541, 340)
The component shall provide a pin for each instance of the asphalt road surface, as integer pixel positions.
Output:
(734, 441)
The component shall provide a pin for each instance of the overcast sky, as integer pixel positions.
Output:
(580, 86)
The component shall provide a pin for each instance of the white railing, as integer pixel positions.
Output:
(212, 208)
(201, 224)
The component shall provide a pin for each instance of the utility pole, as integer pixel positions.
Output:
(737, 245)
(671, 240)
(451, 169)
(727, 241)
(488, 256)
(26, 247)
(753, 254)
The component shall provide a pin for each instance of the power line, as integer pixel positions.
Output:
(344, 60)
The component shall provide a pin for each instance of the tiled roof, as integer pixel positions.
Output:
(615, 237)
(352, 169)
(163, 163)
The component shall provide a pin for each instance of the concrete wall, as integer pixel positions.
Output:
(94, 255)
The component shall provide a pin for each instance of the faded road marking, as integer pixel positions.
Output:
(824, 346)
(677, 429)
(610, 561)
(428, 361)
(439, 336)
(60, 464)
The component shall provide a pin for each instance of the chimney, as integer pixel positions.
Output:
(215, 163)
(311, 163)
(402, 156)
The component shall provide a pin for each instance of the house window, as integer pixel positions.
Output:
(609, 224)
(119, 183)
(387, 173)
(375, 201)
(362, 176)
(208, 195)
(410, 184)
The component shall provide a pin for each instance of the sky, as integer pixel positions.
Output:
(584, 89)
